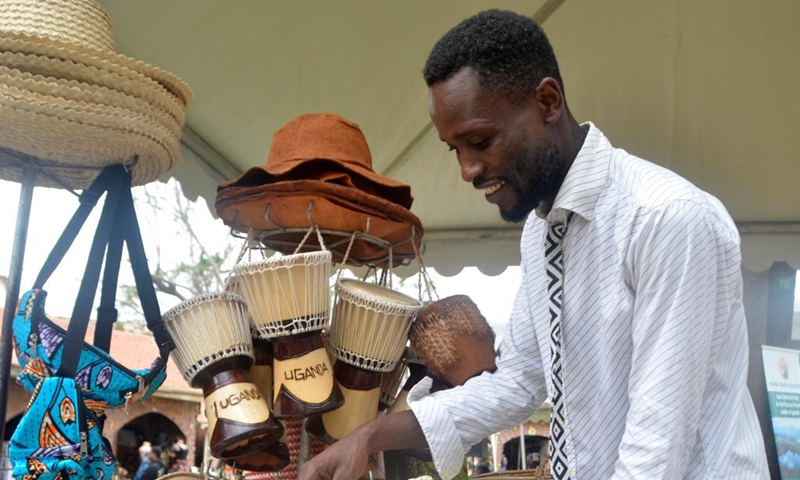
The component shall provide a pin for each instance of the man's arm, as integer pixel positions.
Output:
(347, 458)
(449, 422)
(682, 267)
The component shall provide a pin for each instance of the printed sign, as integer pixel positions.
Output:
(782, 373)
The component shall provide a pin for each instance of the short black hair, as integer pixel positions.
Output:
(510, 53)
(156, 451)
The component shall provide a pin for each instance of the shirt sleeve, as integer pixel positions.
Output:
(680, 267)
(454, 420)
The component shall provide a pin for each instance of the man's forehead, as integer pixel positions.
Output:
(460, 101)
(459, 86)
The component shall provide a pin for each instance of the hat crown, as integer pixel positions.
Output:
(79, 23)
(319, 136)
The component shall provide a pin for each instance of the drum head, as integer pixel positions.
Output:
(370, 291)
(370, 323)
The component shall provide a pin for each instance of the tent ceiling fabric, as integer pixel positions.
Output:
(704, 88)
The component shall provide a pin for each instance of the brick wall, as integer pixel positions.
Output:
(182, 413)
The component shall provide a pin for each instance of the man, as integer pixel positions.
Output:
(144, 459)
(629, 317)
(154, 467)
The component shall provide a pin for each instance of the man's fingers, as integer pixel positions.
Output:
(344, 472)
(310, 471)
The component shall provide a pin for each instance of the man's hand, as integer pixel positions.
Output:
(347, 459)
(344, 460)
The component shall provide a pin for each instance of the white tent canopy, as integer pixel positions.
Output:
(706, 88)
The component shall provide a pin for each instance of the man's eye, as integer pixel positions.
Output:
(480, 144)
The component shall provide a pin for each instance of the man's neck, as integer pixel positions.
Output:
(575, 135)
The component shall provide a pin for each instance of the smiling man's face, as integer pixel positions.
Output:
(503, 149)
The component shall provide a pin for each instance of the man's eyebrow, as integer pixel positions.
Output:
(461, 134)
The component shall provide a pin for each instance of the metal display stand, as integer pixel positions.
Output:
(282, 238)
(276, 240)
(33, 169)
(14, 280)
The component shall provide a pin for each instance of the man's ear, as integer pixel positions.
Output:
(550, 99)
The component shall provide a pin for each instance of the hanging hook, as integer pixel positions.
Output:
(310, 216)
(267, 217)
(130, 165)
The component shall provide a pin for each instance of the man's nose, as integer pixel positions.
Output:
(471, 168)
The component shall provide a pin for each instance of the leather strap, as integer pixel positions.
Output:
(118, 224)
(79, 321)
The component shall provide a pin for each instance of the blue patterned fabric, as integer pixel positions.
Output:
(101, 379)
(47, 443)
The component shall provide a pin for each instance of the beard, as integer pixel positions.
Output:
(535, 177)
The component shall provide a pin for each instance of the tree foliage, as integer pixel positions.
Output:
(171, 219)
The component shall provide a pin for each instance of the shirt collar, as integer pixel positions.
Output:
(585, 179)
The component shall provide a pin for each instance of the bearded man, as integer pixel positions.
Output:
(629, 318)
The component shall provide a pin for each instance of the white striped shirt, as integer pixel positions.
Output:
(654, 335)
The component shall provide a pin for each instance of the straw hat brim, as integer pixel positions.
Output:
(102, 60)
(91, 94)
(136, 85)
(335, 208)
(74, 140)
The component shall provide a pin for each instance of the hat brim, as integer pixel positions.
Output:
(121, 79)
(287, 167)
(282, 213)
(346, 174)
(74, 140)
(102, 60)
(103, 97)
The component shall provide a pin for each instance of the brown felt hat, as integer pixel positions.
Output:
(319, 172)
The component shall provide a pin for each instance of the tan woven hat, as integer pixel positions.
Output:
(68, 99)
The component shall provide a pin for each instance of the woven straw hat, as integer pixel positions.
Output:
(68, 99)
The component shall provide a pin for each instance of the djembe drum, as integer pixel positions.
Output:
(276, 456)
(369, 331)
(271, 459)
(416, 372)
(261, 371)
(214, 351)
(390, 384)
(453, 340)
(292, 431)
(289, 301)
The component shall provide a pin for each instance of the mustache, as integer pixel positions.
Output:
(477, 182)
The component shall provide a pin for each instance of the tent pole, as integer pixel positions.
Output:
(12, 292)
(495, 446)
(522, 453)
(305, 445)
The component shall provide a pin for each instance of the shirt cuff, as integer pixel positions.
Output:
(439, 429)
